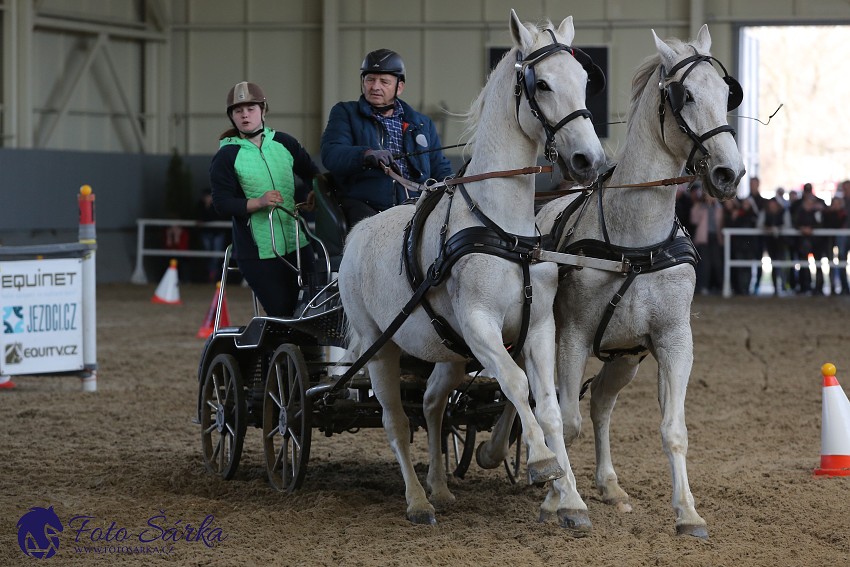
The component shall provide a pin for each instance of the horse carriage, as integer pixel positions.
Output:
(480, 259)
(276, 374)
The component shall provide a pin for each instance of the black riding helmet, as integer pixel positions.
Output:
(383, 61)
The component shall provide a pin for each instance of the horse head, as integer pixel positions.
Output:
(554, 79)
(697, 99)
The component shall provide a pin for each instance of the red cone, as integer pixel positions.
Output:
(208, 325)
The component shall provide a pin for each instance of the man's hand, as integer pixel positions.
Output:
(309, 205)
(376, 158)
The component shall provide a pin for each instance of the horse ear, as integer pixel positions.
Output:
(567, 31)
(522, 37)
(668, 56)
(703, 41)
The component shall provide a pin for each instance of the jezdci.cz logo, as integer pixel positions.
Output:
(39, 529)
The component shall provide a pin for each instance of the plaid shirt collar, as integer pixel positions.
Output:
(394, 126)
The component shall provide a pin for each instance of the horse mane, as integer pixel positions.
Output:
(472, 116)
(647, 71)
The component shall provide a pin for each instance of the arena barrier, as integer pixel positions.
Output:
(48, 302)
(729, 262)
(139, 276)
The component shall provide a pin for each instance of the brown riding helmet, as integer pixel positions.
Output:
(244, 93)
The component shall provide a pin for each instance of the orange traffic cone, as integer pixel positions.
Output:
(209, 321)
(168, 290)
(835, 430)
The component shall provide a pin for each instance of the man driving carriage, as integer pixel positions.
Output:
(379, 129)
(252, 172)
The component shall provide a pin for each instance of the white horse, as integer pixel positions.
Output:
(653, 315)
(483, 295)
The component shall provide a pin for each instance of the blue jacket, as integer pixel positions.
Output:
(352, 129)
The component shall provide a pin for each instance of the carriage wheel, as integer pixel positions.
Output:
(286, 419)
(513, 463)
(458, 440)
(458, 448)
(223, 416)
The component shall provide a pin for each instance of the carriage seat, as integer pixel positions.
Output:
(331, 224)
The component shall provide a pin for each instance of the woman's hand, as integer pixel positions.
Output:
(269, 199)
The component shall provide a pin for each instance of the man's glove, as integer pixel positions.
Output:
(374, 158)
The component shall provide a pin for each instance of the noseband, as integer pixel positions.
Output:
(674, 94)
(526, 82)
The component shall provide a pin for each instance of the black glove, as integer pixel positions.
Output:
(374, 158)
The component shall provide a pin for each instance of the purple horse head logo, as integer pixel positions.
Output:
(38, 532)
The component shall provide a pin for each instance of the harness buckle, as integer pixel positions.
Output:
(528, 292)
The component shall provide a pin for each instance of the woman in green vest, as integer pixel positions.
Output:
(253, 170)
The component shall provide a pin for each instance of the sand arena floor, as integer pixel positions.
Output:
(129, 456)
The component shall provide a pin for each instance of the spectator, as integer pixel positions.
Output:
(742, 213)
(772, 219)
(707, 218)
(212, 239)
(835, 216)
(807, 216)
(759, 247)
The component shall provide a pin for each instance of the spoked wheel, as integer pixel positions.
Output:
(286, 419)
(223, 416)
(458, 448)
(513, 464)
(458, 440)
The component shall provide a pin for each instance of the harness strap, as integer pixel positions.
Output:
(426, 186)
(676, 250)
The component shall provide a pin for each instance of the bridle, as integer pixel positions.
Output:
(526, 82)
(675, 94)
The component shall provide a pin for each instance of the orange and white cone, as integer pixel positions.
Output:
(835, 429)
(208, 325)
(168, 290)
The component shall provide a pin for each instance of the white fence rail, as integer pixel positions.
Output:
(139, 276)
(729, 262)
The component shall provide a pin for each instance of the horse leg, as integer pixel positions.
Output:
(604, 389)
(674, 369)
(486, 343)
(385, 374)
(445, 377)
(563, 498)
(493, 452)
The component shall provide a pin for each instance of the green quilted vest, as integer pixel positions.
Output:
(266, 169)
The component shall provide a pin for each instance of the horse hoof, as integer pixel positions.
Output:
(577, 522)
(621, 504)
(544, 471)
(545, 516)
(422, 518)
(698, 530)
(483, 461)
(443, 502)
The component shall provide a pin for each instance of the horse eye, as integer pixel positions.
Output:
(543, 86)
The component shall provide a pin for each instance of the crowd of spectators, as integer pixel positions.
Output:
(705, 218)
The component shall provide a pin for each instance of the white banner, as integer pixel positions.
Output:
(42, 312)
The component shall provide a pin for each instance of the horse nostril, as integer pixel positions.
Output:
(580, 162)
(723, 176)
